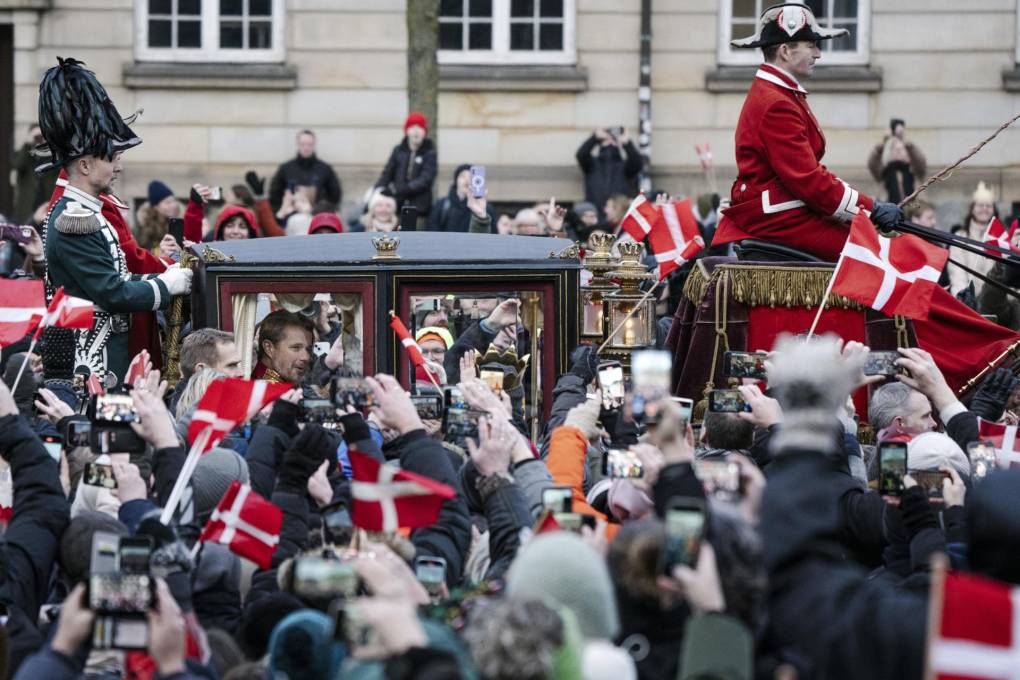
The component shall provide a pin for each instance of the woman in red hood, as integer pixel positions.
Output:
(326, 223)
(235, 222)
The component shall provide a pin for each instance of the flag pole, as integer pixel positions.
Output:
(427, 371)
(188, 469)
(21, 371)
(825, 299)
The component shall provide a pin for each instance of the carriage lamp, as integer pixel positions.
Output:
(599, 261)
(638, 330)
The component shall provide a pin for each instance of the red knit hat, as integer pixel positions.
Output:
(418, 119)
(326, 220)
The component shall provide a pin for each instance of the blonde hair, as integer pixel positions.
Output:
(195, 388)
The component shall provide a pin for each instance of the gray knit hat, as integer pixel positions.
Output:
(213, 474)
(561, 570)
(581, 207)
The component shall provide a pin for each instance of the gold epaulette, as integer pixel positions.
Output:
(78, 220)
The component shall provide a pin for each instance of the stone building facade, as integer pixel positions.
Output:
(541, 75)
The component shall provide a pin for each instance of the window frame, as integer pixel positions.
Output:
(210, 18)
(731, 56)
(501, 54)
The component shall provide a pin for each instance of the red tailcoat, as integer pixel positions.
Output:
(783, 193)
(144, 332)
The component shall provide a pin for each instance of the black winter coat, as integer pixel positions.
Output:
(306, 172)
(409, 175)
(40, 514)
(607, 172)
(451, 213)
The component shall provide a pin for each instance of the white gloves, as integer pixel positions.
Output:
(177, 280)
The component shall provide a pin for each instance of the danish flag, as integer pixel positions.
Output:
(410, 346)
(641, 218)
(22, 305)
(66, 311)
(704, 155)
(676, 238)
(997, 235)
(246, 523)
(227, 403)
(385, 498)
(136, 369)
(1004, 438)
(896, 276)
(976, 631)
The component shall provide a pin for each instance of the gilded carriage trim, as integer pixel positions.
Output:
(763, 285)
(211, 255)
(571, 252)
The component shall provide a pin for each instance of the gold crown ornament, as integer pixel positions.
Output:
(386, 247)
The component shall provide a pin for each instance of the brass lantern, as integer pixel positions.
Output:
(638, 331)
(598, 260)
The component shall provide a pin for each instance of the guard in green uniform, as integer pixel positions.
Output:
(86, 136)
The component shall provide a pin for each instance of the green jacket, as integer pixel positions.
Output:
(91, 266)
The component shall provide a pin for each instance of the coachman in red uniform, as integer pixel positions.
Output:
(784, 195)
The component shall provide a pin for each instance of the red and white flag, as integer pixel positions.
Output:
(385, 498)
(246, 523)
(94, 385)
(704, 155)
(22, 306)
(1004, 438)
(410, 346)
(976, 632)
(676, 238)
(640, 218)
(227, 403)
(136, 369)
(997, 235)
(896, 276)
(66, 311)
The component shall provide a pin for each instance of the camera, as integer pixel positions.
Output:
(744, 365)
(350, 391)
(110, 430)
(727, 401)
(622, 464)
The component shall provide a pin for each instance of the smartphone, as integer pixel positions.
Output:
(119, 632)
(318, 411)
(892, 466)
(982, 458)
(431, 572)
(622, 464)
(12, 232)
(215, 193)
(134, 553)
(931, 482)
(882, 363)
(611, 384)
(115, 408)
(616, 131)
(322, 578)
(114, 439)
(684, 524)
(349, 391)
(175, 227)
(493, 377)
(719, 478)
(120, 593)
(727, 401)
(409, 218)
(686, 406)
(337, 516)
(744, 365)
(574, 521)
(98, 474)
(428, 406)
(105, 553)
(54, 445)
(320, 349)
(558, 498)
(478, 181)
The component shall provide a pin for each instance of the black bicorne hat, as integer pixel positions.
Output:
(789, 22)
(77, 117)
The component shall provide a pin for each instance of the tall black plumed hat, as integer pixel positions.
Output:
(78, 118)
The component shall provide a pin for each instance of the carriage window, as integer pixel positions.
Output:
(333, 315)
(504, 328)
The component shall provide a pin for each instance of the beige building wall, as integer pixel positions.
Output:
(941, 64)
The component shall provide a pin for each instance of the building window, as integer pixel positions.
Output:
(739, 19)
(507, 32)
(209, 30)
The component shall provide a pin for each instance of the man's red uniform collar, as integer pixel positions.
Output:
(778, 76)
